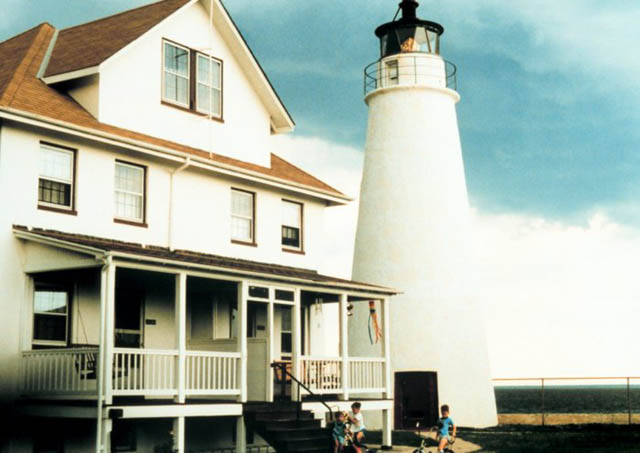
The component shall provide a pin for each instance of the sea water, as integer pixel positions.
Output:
(571, 399)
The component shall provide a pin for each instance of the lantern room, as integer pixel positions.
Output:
(409, 34)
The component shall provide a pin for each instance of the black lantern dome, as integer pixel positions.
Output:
(409, 34)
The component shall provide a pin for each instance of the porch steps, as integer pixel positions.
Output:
(286, 429)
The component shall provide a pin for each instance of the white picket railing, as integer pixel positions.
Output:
(366, 375)
(59, 371)
(212, 373)
(144, 372)
(322, 374)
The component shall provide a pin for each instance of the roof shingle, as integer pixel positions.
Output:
(87, 45)
(187, 257)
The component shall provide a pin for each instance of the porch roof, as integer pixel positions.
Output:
(101, 247)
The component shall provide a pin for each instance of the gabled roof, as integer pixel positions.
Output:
(21, 90)
(92, 43)
(220, 264)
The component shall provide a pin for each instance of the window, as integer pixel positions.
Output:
(192, 80)
(285, 332)
(176, 74)
(129, 192)
(291, 225)
(209, 85)
(50, 314)
(392, 71)
(242, 212)
(55, 182)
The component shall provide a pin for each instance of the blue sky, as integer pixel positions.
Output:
(549, 120)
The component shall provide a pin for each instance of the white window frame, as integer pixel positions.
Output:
(209, 85)
(251, 218)
(40, 342)
(166, 70)
(71, 182)
(300, 227)
(143, 195)
(392, 69)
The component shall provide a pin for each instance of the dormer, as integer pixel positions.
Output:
(177, 69)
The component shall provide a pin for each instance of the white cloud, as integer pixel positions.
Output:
(560, 299)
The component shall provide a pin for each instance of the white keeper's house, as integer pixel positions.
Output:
(157, 258)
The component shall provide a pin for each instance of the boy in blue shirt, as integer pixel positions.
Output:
(445, 423)
(337, 434)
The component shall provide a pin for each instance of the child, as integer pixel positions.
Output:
(338, 433)
(357, 423)
(444, 423)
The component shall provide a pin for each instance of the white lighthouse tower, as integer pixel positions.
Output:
(414, 229)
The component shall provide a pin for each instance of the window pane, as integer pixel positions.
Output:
(176, 59)
(204, 67)
(204, 97)
(284, 295)
(129, 206)
(216, 74)
(49, 327)
(129, 178)
(291, 214)
(56, 164)
(290, 236)
(216, 100)
(50, 301)
(182, 91)
(259, 291)
(54, 192)
(242, 203)
(241, 229)
(176, 88)
(286, 319)
(285, 343)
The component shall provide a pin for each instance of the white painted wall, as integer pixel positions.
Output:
(413, 234)
(202, 203)
(86, 92)
(131, 90)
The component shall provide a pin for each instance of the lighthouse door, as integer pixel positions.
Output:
(416, 399)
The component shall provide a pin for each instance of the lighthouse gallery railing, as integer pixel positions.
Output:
(409, 70)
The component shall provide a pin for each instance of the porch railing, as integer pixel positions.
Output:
(144, 372)
(324, 374)
(59, 371)
(212, 373)
(366, 375)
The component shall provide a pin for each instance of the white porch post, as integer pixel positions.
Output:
(109, 334)
(243, 293)
(386, 348)
(181, 334)
(296, 347)
(241, 435)
(270, 344)
(344, 345)
(107, 427)
(178, 435)
(387, 423)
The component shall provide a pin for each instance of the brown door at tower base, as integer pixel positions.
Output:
(416, 399)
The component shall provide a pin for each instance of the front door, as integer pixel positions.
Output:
(129, 313)
(416, 399)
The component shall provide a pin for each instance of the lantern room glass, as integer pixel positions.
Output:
(409, 38)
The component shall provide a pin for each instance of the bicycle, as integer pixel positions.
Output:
(423, 442)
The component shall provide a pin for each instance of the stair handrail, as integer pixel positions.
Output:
(283, 367)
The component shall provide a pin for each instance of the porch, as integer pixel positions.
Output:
(112, 326)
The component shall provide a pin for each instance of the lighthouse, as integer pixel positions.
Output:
(414, 231)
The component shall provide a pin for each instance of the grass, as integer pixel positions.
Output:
(557, 439)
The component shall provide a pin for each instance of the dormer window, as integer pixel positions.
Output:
(191, 80)
(176, 74)
(209, 85)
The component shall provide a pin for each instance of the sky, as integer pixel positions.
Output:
(548, 117)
